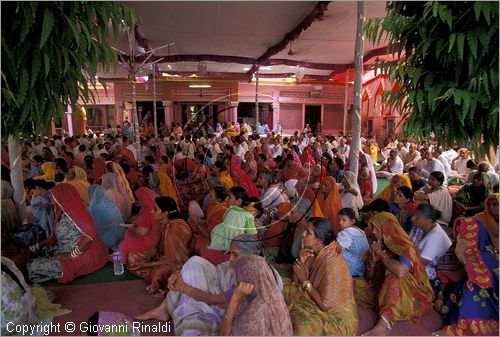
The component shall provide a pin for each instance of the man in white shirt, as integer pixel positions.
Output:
(127, 143)
(271, 195)
(343, 149)
(438, 153)
(277, 149)
(393, 165)
(402, 151)
(239, 150)
(431, 164)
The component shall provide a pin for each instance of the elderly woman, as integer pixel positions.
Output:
(74, 249)
(437, 195)
(320, 298)
(395, 278)
(350, 195)
(200, 293)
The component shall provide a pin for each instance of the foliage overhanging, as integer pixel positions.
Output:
(51, 52)
(447, 68)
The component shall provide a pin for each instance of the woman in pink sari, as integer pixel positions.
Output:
(307, 157)
(145, 231)
(74, 249)
(241, 178)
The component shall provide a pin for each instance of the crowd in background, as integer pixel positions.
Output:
(248, 231)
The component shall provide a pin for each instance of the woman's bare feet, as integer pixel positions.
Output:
(380, 329)
(159, 313)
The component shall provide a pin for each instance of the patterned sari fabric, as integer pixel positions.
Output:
(473, 306)
(236, 221)
(264, 312)
(330, 276)
(398, 299)
(488, 221)
(330, 205)
(74, 224)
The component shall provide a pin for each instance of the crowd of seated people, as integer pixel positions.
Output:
(242, 234)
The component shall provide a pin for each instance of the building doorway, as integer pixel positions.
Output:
(145, 111)
(312, 116)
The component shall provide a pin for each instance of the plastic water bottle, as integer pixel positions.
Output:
(117, 263)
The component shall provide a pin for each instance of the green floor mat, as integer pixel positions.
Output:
(103, 275)
(382, 183)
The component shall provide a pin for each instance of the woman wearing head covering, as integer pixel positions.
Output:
(77, 177)
(350, 196)
(396, 182)
(145, 231)
(320, 298)
(473, 306)
(42, 218)
(118, 170)
(116, 192)
(200, 292)
(107, 217)
(168, 253)
(469, 200)
(489, 217)
(395, 278)
(366, 161)
(240, 177)
(257, 307)
(75, 248)
(99, 169)
(437, 195)
(49, 171)
(329, 202)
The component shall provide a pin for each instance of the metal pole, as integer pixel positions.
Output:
(358, 67)
(345, 99)
(257, 96)
(154, 101)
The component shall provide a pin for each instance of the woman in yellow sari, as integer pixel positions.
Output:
(320, 299)
(397, 181)
(395, 278)
(489, 217)
(77, 177)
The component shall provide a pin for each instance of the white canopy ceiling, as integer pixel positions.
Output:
(247, 29)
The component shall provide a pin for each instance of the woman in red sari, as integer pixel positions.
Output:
(241, 178)
(145, 231)
(74, 249)
(99, 169)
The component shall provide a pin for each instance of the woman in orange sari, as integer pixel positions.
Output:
(320, 299)
(329, 202)
(170, 251)
(489, 217)
(395, 277)
(77, 177)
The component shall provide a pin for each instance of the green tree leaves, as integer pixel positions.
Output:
(50, 51)
(449, 73)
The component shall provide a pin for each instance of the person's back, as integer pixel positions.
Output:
(353, 242)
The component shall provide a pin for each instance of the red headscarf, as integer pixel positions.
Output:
(241, 178)
(95, 257)
(330, 205)
(99, 169)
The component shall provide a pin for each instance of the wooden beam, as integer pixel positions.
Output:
(316, 13)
